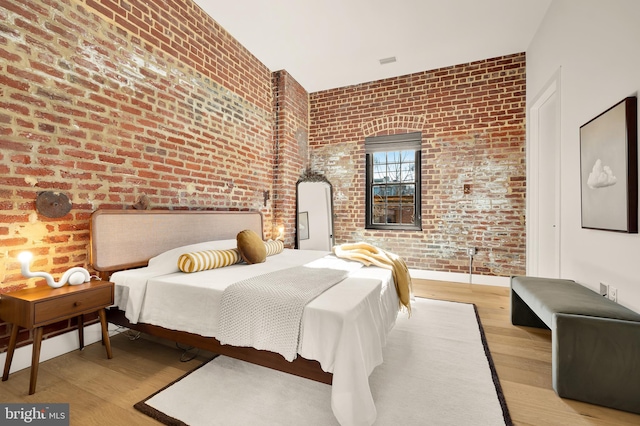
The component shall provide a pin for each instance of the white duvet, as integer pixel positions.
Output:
(345, 328)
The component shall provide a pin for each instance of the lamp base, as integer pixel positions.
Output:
(76, 278)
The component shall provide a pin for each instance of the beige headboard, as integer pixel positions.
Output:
(122, 239)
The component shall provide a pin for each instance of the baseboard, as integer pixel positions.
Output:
(53, 347)
(460, 278)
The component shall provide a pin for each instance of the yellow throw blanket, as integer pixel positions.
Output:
(371, 255)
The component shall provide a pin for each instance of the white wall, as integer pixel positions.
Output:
(596, 46)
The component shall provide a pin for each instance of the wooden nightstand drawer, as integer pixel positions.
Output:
(72, 305)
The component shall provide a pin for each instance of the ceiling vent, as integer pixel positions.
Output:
(388, 60)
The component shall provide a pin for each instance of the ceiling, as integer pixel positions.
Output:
(326, 44)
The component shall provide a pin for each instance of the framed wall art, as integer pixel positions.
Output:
(609, 169)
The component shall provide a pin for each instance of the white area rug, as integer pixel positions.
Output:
(436, 371)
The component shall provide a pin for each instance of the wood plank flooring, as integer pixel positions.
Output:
(522, 357)
(102, 392)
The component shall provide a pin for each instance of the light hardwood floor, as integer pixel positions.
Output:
(102, 392)
(522, 357)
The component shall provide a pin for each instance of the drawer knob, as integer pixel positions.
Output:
(78, 303)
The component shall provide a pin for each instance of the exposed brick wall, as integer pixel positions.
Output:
(291, 106)
(109, 101)
(472, 119)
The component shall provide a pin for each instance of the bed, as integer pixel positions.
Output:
(342, 332)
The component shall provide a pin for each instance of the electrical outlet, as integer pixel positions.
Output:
(604, 290)
(613, 293)
(471, 251)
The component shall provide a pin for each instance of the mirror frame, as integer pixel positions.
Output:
(309, 176)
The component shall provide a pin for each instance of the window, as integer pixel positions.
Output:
(393, 181)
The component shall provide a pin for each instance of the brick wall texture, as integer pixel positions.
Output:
(472, 119)
(115, 102)
(291, 111)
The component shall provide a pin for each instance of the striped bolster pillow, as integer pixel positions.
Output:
(274, 247)
(212, 259)
(208, 259)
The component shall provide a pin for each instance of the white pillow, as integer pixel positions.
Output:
(167, 262)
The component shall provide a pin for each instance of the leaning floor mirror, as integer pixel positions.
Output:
(314, 223)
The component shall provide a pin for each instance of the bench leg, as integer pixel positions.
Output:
(597, 360)
(521, 314)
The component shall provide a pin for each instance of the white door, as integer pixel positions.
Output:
(543, 230)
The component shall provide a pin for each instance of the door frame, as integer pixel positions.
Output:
(534, 163)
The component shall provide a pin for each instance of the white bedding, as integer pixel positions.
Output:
(345, 328)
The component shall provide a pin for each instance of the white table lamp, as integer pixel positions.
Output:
(73, 276)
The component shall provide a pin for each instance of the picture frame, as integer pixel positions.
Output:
(303, 225)
(609, 169)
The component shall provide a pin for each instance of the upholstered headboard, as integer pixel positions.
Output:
(122, 239)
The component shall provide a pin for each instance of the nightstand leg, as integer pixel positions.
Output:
(35, 359)
(10, 350)
(105, 332)
(81, 331)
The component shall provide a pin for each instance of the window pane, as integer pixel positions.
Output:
(409, 190)
(393, 213)
(408, 172)
(379, 158)
(379, 166)
(379, 210)
(393, 157)
(408, 215)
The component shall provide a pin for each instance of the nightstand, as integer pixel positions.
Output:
(33, 308)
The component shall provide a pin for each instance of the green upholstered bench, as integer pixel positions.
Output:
(595, 341)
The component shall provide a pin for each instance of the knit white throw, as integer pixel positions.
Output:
(265, 312)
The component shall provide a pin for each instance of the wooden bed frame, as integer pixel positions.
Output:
(125, 239)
